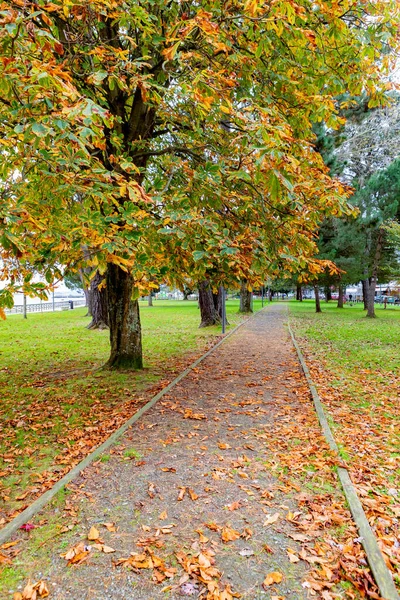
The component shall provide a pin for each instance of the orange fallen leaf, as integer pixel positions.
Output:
(163, 516)
(271, 578)
(223, 446)
(229, 535)
(93, 534)
(192, 494)
(181, 494)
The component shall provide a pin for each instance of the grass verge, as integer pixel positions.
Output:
(355, 364)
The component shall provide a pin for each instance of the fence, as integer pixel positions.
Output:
(45, 306)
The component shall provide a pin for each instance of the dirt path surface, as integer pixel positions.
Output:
(225, 487)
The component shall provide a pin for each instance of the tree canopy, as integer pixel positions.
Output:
(168, 137)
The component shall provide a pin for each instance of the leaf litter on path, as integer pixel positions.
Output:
(285, 521)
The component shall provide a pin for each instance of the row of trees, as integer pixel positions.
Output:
(171, 141)
(362, 246)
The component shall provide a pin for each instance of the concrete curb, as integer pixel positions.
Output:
(382, 575)
(45, 498)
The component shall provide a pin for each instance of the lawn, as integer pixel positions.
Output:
(355, 363)
(57, 403)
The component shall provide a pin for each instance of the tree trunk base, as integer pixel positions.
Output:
(124, 363)
(210, 322)
(94, 325)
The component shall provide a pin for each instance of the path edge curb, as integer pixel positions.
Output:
(23, 517)
(382, 575)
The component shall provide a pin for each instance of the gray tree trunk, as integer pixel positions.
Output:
(208, 312)
(372, 286)
(317, 299)
(124, 321)
(98, 303)
(218, 298)
(245, 299)
(365, 286)
(340, 303)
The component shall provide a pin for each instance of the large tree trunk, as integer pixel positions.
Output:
(208, 312)
(98, 303)
(340, 303)
(124, 321)
(218, 298)
(245, 299)
(328, 293)
(372, 285)
(317, 300)
(365, 286)
(150, 300)
(299, 293)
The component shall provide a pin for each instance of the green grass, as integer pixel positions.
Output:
(56, 401)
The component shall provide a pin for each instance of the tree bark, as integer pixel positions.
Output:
(328, 293)
(372, 285)
(218, 303)
(98, 303)
(340, 303)
(365, 286)
(299, 293)
(317, 300)
(150, 300)
(124, 321)
(208, 312)
(245, 299)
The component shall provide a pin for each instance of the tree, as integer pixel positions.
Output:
(379, 201)
(208, 310)
(172, 123)
(246, 296)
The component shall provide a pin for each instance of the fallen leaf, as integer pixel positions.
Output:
(93, 534)
(229, 535)
(192, 494)
(181, 494)
(234, 505)
(271, 519)
(246, 552)
(27, 526)
(292, 556)
(271, 578)
(224, 446)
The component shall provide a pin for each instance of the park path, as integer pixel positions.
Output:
(225, 484)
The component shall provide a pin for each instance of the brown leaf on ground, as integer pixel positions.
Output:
(229, 535)
(77, 554)
(33, 591)
(271, 519)
(271, 578)
(4, 560)
(192, 494)
(189, 414)
(181, 494)
(93, 534)
(234, 505)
